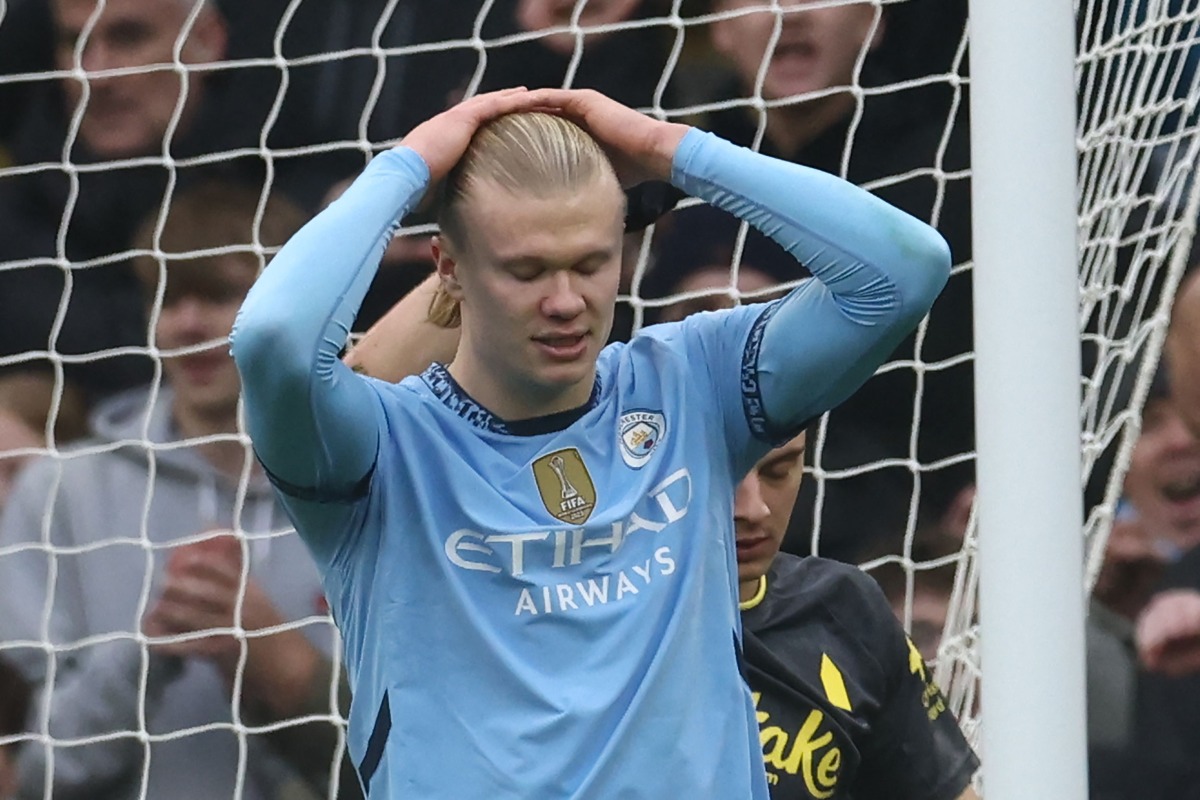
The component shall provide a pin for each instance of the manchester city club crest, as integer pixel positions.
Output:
(565, 485)
(639, 433)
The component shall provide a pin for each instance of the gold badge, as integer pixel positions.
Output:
(565, 485)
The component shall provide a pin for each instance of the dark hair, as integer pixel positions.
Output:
(693, 238)
(217, 213)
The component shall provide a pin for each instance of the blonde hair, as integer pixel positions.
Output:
(530, 153)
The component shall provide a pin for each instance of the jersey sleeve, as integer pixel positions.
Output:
(315, 424)
(718, 349)
(876, 270)
(915, 749)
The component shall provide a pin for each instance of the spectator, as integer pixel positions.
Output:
(92, 184)
(1168, 630)
(16, 435)
(14, 709)
(626, 64)
(147, 534)
(693, 253)
(924, 605)
(1157, 519)
(817, 117)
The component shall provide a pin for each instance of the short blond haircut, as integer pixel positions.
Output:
(531, 153)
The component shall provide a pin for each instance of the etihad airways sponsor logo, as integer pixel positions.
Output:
(598, 590)
(514, 553)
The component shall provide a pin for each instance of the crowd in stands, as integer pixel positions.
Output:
(162, 631)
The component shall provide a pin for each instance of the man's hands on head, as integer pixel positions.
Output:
(442, 139)
(641, 147)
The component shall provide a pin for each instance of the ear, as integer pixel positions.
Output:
(208, 39)
(447, 267)
(880, 30)
(721, 35)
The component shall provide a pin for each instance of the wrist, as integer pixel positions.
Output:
(668, 138)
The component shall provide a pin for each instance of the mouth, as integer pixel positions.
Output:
(793, 50)
(563, 346)
(749, 547)
(200, 369)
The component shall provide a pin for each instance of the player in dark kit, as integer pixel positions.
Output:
(846, 706)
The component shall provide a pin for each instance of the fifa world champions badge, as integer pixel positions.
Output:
(565, 485)
(639, 433)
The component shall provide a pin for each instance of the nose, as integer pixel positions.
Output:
(749, 507)
(1178, 434)
(96, 56)
(184, 321)
(563, 299)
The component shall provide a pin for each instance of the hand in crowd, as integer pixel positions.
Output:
(203, 582)
(1168, 633)
(1131, 570)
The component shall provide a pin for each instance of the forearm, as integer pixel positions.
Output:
(877, 270)
(404, 342)
(280, 672)
(864, 250)
(290, 680)
(297, 318)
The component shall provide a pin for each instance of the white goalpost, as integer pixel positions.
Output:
(1031, 606)
(1085, 137)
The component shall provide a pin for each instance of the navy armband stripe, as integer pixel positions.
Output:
(375, 744)
(313, 495)
(752, 401)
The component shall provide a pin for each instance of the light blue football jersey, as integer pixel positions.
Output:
(554, 614)
(548, 609)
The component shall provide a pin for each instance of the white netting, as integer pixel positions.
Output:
(1137, 147)
(345, 79)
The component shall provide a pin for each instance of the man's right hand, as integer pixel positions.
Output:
(441, 140)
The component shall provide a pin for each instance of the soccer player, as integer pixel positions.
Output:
(845, 708)
(530, 550)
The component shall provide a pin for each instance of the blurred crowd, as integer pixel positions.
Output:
(162, 632)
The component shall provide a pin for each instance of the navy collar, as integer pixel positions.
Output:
(442, 384)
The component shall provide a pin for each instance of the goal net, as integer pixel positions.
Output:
(300, 93)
